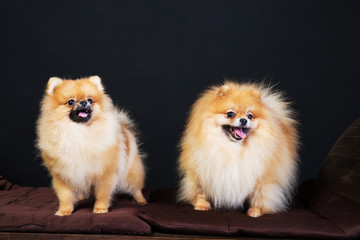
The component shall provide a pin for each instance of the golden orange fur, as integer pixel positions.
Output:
(87, 144)
(240, 144)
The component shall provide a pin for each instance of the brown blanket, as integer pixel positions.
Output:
(317, 213)
(29, 209)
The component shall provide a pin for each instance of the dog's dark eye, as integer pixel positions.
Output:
(230, 114)
(71, 102)
(90, 101)
(249, 116)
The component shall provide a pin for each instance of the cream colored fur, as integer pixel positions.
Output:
(77, 153)
(262, 169)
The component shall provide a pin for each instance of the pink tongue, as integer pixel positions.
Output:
(83, 114)
(239, 132)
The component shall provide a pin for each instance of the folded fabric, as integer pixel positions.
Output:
(32, 209)
(323, 219)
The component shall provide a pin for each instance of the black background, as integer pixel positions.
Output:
(155, 57)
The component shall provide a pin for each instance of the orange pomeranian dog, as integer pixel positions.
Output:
(87, 144)
(240, 145)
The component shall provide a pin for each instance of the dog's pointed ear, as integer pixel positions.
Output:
(53, 83)
(97, 81)
(223, 90)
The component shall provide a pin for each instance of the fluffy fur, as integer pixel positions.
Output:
(87, 145)
(240, 145)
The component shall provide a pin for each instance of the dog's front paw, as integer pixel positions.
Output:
(100, 210)
(254, 212)
(63, 213)
(202, 208)
(101, 207)
(202, 205)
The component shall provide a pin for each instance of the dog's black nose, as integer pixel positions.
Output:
(243, 121)
(83, 103)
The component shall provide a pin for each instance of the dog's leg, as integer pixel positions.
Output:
(65, 196)
(266, 199)
(191, 192)
(135, 179)
(103, 190)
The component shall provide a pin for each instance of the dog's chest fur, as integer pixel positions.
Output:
(79, 149)
(228, 172)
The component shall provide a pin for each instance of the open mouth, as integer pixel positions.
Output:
(237, 133)
(81, 114)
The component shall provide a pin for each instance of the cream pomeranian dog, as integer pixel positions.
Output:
(87, 144)
(240, 145)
